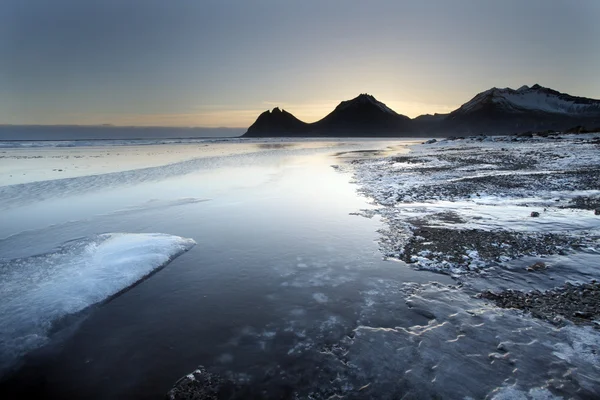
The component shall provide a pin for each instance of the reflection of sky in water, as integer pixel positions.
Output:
(241, 200)
(282, 279)
(137, 174)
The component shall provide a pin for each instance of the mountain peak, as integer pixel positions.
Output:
(362, 100)
(365, 96)
(275, 122)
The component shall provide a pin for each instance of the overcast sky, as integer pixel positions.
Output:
(220, 63)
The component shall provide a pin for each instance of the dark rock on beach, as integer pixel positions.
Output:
(577, 303)
(538, 266)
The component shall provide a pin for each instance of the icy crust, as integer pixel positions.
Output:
(38, 291)
(414, 341)
(468, 349)
(461, 205)
(485, 169)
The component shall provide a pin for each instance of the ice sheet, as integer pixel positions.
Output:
(38, 291)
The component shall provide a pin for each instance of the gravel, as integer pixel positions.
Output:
(577, 303)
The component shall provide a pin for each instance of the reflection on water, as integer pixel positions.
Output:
(277, 254)
(285, 292)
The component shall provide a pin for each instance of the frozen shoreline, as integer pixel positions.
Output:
(474, 208)
(326, 316)
(456, 206)
(464, 208)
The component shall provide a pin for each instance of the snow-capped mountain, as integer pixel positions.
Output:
(535, 98)
(535, 108)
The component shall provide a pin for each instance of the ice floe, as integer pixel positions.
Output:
(38, 291)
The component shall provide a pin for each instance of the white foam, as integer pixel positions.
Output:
(39, 290)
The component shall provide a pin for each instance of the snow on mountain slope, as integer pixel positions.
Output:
(535, 98)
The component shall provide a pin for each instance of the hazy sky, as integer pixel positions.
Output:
(220, 63)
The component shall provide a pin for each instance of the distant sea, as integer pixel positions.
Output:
(74, 132)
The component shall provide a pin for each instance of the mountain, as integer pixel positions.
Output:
(277, 123)
(527, 108)
(362, 116)
(494, 111)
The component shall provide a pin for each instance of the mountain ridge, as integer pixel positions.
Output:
(493, 111)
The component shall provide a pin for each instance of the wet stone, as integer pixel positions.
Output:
(537, 266)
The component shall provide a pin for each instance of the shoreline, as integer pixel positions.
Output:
(461, 208)
(456, 225)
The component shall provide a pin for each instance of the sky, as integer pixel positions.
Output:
(221, 63)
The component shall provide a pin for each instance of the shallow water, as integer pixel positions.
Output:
(285, 292)
(280, 267)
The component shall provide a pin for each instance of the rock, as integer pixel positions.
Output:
(535, 214)
(597, 211)
(582, 314)
(536, 267)
(431, 141)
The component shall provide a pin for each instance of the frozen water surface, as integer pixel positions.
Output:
(287, 292)
(37, 291)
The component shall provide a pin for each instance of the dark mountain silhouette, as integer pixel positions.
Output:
(363, 116)
(494, 111)
(277, 123)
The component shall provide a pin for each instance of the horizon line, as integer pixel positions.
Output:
(111, 125)
(121, 126)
